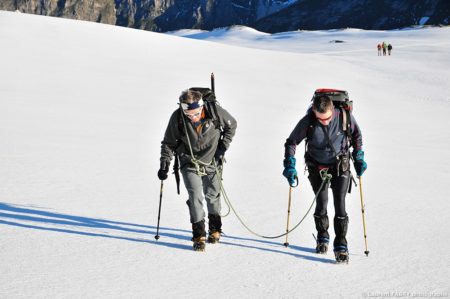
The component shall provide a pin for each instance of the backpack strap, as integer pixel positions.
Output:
(344, 120)
(211, 108)
(310, 129)
(180, 123)
(347, 125)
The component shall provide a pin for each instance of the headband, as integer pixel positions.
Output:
(192, 106)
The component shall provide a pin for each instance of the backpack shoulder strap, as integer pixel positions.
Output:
(344, 120)
(180, 123)
(311, 126)
(211, 107)
(347, 124)
(310, 129)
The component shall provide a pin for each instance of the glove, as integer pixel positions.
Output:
(163, 170)
(359, 163)
(289, 170)
(219, 155)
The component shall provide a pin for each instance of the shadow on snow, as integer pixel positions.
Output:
(33, 218)
(37, 219)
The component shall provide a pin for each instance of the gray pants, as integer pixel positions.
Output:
(196, 186)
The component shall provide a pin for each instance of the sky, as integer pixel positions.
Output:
(84, 110)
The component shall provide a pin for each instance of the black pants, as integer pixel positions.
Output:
(339, 186)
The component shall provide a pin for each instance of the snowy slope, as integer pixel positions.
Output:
(83, 110)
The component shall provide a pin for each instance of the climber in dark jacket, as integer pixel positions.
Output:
(327, 149)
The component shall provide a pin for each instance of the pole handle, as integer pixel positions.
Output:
(293, 186)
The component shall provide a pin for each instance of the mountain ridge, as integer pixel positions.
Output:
(264, 15)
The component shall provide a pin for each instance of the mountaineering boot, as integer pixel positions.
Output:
(199, 243)
(199, 235)
(340, 242)
(215, 228)
(322, 245)
(323, 237)
(341, 254)
(214, 237)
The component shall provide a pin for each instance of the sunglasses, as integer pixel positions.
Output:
(325, 119)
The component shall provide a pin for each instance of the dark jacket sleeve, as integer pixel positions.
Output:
(297, 136)
(357, 142)
(171, 139)
(229, 126)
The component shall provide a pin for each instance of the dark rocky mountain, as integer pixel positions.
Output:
(89, 10)
(364, 14)
(155, 15)
(264, 15)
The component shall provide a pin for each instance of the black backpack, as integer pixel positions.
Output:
(211, 103)
(340, 100)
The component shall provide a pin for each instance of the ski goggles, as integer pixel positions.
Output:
(192, 106)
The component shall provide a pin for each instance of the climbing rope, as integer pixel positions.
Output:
(326, 177)
(201, 171)
(198, 164)
(219, 171)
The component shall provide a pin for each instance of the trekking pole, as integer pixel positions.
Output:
(286, 244)
(212, 82)
(363, 215)
(159, 210)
